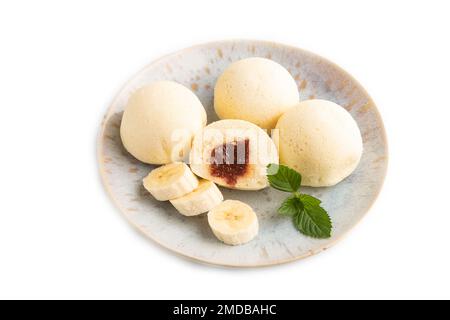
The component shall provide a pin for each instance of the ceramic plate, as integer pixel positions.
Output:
(278, 241)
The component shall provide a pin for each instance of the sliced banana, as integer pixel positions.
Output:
(170, 181)
(201, 200)
(233, 222)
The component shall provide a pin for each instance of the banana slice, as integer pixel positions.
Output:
(201, 200)
(170, 181)
(233, 222)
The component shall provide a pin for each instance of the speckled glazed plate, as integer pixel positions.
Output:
(278, 241)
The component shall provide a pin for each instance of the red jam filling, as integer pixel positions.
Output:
(229, 161)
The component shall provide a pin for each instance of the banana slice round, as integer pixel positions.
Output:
(199, 201)
(233, 222)
(170, 181)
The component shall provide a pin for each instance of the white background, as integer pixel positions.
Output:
(61, 63)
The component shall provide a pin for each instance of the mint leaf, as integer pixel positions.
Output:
(309, 217)
(291, 206)
(283, 178)
(313, 220)
(309, 200)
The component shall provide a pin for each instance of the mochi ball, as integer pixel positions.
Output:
(159, 122)
(321, 140)
(234, 154)
(257, 90)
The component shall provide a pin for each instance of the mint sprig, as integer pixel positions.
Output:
(291, 206)
(308, 216)
(283, 178)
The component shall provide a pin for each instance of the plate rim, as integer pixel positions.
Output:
(101, 163)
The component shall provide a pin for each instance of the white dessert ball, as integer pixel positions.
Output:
(321, 140)
(234, 154)
(159, 122)
(257, 90)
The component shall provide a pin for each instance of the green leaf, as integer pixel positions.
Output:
(283, 178)
(309, 200)
(313, 221)
(309, 217)
(291, 206)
